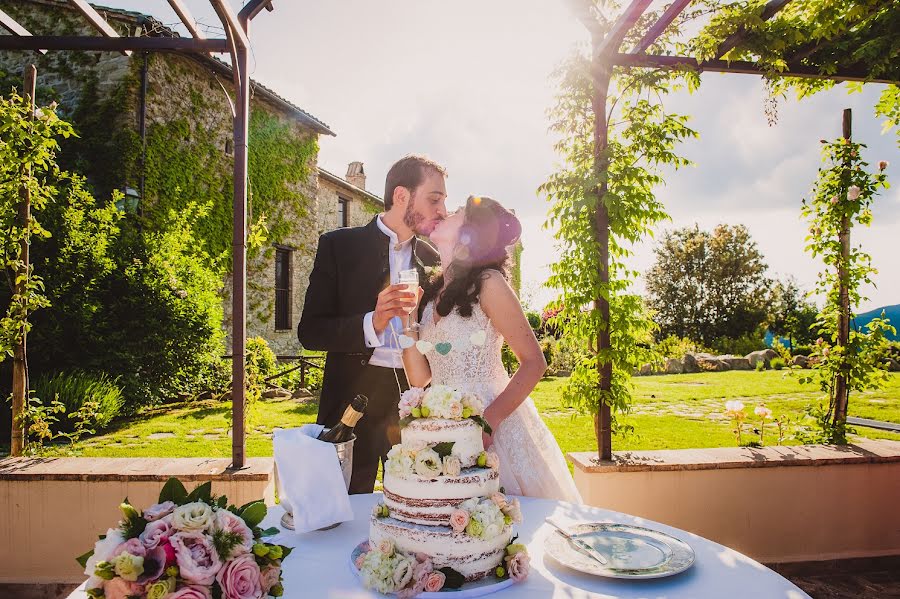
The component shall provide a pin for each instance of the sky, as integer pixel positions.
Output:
(468, 83)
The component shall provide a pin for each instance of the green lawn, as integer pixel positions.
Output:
(673, 411)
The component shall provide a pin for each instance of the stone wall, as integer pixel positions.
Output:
(360, 207)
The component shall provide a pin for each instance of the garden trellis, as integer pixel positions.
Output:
(865, 52)
(236, 43)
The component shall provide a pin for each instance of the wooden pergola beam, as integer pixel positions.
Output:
(657, 29)
(107, 44)
(13, 26)
(185, 15)
(253, 8)
(770, 10)
(230, 22)
(96, 20)
(620, 28)
(740, 67)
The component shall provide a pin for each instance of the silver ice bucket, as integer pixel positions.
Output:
(345, 458)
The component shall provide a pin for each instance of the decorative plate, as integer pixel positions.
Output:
(479, 588)
(631, 552)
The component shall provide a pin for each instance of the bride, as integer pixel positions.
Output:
(470, 309)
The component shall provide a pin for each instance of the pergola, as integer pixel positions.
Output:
(236, 43)
(607, 54)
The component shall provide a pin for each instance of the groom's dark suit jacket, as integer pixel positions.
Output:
(350, 270)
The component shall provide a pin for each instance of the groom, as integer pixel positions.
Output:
(354, 313)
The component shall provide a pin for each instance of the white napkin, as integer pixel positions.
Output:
(311, 484)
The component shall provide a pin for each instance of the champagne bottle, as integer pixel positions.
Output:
(343, 430)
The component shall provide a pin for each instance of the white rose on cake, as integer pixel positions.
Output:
(428, 463)
(400, 462)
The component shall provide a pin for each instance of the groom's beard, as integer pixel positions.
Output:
(414, 219)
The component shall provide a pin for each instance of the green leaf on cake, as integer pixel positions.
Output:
(405, 421)
(454, 579)
(483, 424)
(443, 449)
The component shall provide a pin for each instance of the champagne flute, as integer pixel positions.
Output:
(410, 278)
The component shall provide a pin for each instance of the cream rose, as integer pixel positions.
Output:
(492, 460)
(195, 516)
(403, 571)
(500, 501)
(386, 546)
(518, 566)
(435, 581)
(452, 465)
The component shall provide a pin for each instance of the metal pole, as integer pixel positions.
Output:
(239, 256)
(602, 74)
(20, 364)
(841, 391)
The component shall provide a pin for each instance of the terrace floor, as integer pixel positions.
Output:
(870, 578)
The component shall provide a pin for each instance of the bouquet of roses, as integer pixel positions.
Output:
(187, 546)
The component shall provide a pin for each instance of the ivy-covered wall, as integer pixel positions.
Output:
(188, 123)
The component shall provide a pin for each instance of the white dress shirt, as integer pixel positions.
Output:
(387, 349)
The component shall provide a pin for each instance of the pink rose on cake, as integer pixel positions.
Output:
(435, 582)
(411, 399)
(459, 519)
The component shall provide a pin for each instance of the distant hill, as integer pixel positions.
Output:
(891, 312)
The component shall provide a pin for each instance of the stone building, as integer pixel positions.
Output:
(158, 127)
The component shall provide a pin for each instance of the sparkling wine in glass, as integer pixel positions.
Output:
(410, 278)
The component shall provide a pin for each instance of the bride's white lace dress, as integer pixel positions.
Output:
(465, 354)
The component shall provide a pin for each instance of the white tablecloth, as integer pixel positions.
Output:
(318, 568)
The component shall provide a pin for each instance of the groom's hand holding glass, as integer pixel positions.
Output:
(394, 300)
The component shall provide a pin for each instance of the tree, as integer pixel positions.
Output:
(708, 286)
(792, 316)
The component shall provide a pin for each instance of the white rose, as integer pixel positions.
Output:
(452, 465)
(403, 571)
(195, 516)
(428, 463)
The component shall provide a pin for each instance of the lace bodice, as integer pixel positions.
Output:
(465, 353)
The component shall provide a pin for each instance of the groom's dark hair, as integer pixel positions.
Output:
(408, 172)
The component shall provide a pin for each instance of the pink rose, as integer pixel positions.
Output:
(159, 510)
(191, 592)
(459, 519)
(514, 510)
(155, 533)
(359, 561)
(240, 578)
(197, 559)
(493, 460)
(119, 588)
(228, 522)
(456, 409)
(435, 581)
(518, 566)
(500, 501)
(269, 577)
(411, 398)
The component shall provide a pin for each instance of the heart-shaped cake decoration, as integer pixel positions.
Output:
(424, 346)
(406, 341)
(443, 348)
(478, 337)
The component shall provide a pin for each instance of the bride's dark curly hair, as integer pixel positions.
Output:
(487, 231)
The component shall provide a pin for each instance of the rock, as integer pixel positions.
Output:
(763, 355)
(562, 373)
(689, 362)
(801, 361)
(276, 393)
(736, 362)
(646, 369)
(894, 365)
(674, 366)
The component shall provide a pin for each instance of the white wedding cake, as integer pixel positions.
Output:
(442, 496)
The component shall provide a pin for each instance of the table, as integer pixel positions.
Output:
(318, 568)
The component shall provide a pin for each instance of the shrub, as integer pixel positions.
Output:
(676, 347)
(802, 350)
(548, 348)
(534, 319)
(777, 363)
(783, 352)
(739, 346)
(73, 390)
(142, 306)
(567, 354)
(760, 366)
(510, 362)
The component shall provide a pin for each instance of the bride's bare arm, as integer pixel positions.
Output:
(500, 303)
(418, 372)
